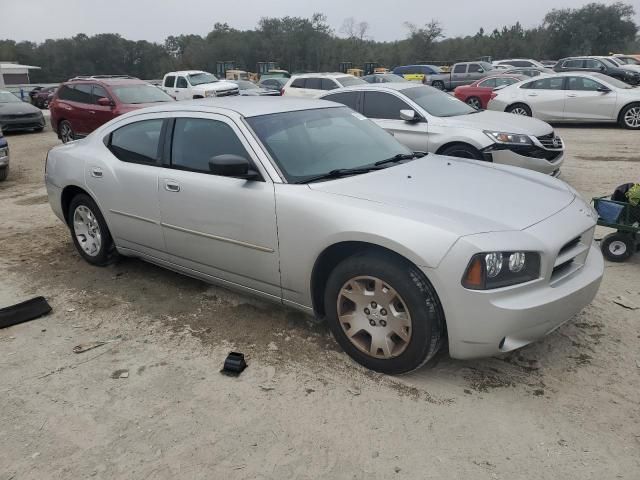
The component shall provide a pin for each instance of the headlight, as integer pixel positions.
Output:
(210, 93)
(501, 269)
(509, 138)
(4, 151)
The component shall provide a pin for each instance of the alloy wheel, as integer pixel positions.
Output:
(87, 230)
(374, 317)
(474, 102)
(66, 135)
(632, 117)
(520, 111)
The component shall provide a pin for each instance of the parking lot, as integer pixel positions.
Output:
(151, 402)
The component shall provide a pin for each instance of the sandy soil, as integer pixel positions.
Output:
(152, 403)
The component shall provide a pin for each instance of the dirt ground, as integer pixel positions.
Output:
(151, 403)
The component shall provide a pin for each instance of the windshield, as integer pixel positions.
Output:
(438, 103)
(140, 94)
(308, 143)
(628, 60)
(8, 97)
(350, 81)
(609, 62)
(200, 78)
(246, 85)
(614, 82)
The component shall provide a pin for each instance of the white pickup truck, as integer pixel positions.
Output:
(189, 84)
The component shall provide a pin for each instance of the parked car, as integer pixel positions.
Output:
(383, 78)
(528, 71)
(4, 158)
(426, 119)
(80, 106)
(33, 92)
(275, 74)
(628, 59)
(519, 62)
(625, 65)
(250, 89)
(306, 203)
(273, 83)
(462, 73)
(548, 63)
(597, 65)
(42, 97)
(572, 97)
(314, 84)
(416, 73)
(189, 84)
(18, 115)
(478, 93)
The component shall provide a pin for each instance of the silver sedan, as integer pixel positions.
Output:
(572, 97)
(309, 204)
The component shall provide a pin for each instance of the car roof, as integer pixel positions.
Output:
(108, 81)
(398, 86)
(185, 72)
(243, 106)
(321, 74)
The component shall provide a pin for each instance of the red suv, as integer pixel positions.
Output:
(83, 104)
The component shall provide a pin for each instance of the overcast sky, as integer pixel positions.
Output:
(37, 20)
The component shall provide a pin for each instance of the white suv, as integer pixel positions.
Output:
(315, 84)
(189, 84)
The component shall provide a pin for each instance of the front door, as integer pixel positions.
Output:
(99, 114)
(181, 90)
(459, 75)
(585, 102)
(546, 98)
(221, 226)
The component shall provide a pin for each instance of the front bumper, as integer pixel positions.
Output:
(535, 157)
(485, 323)
(21, 123)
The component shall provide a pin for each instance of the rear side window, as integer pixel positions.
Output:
(383, 105)
(573, 64)
(169, 81)
(328, 84)
(298, 83)
(595, 64)
(460, 69)
(314, 83)
(65, 92)
(81, 93)
(197, 140)
(546, 84)
(182, 83)
(350, 99)
(137, 142)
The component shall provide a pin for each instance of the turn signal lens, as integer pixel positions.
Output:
(474, 276)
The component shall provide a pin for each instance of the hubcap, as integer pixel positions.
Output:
(632, 117)
(374, 317)
(65, 134)
(618, 247)
(520, 111)
(87, 230)
(474, 102)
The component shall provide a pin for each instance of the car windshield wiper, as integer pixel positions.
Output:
(340, 172)
(399, 157)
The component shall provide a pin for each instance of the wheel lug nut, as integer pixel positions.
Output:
(383, 312)
(367, 311)
(383, 323)
(372, 323)
(374, 304)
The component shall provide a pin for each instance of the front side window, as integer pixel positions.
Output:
(592, 64)
(98, 92)
(438, 103)
(475, 68)
(182, 83)
(489, 83)
(137, 142)
(82, 93)
(140, 93)
(308, 143)
(573, 64)
(583, 84)
(349, 99)
(170, 81)
(198, 140)
(383, 105)
(460, 69)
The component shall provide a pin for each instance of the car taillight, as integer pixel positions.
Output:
(282, 91)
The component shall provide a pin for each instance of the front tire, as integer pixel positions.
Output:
(438, 84)
(462, 150)
(89, 231)
(384, 312)
(474, 102)
(630, 117)
(519, 109)
(4, 173)
(617, 247)
(66, 132)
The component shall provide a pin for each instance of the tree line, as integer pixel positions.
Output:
(310, 44)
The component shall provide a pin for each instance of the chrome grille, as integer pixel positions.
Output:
(551, 141)
(227, 93)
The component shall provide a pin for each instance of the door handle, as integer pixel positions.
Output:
(572, 95)
(532, 95)
(92, 112)
(171, 186)
(96, 172)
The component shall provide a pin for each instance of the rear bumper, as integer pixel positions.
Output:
(17, 124)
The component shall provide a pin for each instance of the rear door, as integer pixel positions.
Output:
(384, 109)
(545, 97)
(475, 72)
(584, 102)
(224, 227)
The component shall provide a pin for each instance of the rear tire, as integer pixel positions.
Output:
(519, 109)
(389, 295)
(4, 173)
(462, 150)
(89, 231)
(438, 84)
(630, 117)
(617, 247)
(474, 102)
(66, 133)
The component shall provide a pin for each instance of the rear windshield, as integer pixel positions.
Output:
(350, 81)
(140, 94)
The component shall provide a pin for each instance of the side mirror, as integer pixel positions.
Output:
(105, 102)
(409, 115)
(480, 70)
(229, 165)
(604, 89)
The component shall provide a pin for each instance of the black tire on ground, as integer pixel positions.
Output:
(4, 173)
(195, 97)
(630, 117)
(107, 253)
(474, 102)
(462, 150)
(519, 109)
(65, 131)
(419, 296)
(439, 84)
(617, 247)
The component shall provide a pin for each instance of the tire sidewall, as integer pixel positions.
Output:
(462, 147)
(418, 295)
(525, 107)
(622, 115)
(106, 251)
(67, 124)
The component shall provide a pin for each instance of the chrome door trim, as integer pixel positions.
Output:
(130, 215)
(221, 239)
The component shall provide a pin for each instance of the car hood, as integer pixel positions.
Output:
(499, 121)
(464, 196)
(258, 92)
(18, 108)
(219, 85)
